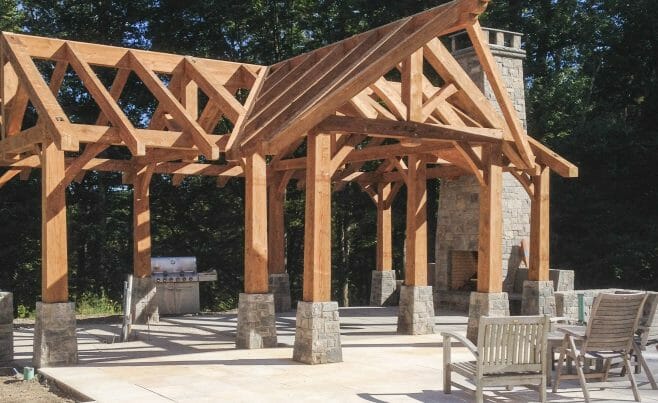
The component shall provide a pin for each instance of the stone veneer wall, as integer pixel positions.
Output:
(458, 221)
(458, 216)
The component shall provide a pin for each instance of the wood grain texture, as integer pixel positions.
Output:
(317, 227)
(256, 255)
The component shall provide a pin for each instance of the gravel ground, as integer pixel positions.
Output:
(15, 390)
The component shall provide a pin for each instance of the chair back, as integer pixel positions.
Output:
(649, 322)
(613, 322)
(512, 344)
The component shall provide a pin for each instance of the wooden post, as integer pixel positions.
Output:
(276, 229)
(255, 230)
(54, 259)
(142, 222)
(539, 227)
(384, 228)
(317, 227)
(491, 224)
(416, 242)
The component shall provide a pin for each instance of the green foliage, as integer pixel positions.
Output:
(591, 95)
(93, 303)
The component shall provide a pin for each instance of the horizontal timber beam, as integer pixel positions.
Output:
(24, 140)
(408, 130)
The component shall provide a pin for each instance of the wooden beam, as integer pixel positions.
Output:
(167, 99)
(142, 222)
(106, 102)
(384, 228)
(54, 259)
(416, 240)
(276, 225)
(317, 227)
(112, 56)
(9, 175)
(490, 68)
(118, 84)
(351, 76)
(539, 227)
(412, 86)
(408, 130)
(553, 160)
(52, 114)
(238, 130)
(256, 255)
(215, 91)
(490, 257)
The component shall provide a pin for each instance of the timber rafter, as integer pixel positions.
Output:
(345, 90)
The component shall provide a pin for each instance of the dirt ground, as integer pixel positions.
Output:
(15, 390)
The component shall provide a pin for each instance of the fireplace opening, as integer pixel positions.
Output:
(463, 270)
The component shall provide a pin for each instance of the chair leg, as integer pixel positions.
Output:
(479, 394)
(647, 370)
(447, 379)
(631, 377)
(580, 369)
(606, 369)
(558, 370)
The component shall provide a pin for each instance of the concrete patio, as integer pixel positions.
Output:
(192, 359)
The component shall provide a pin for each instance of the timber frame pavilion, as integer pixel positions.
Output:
(394, 95)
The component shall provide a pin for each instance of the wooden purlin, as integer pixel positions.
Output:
(356, 68)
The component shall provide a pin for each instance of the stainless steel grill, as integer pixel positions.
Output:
(177, 284)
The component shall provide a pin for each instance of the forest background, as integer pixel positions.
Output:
(591, 94)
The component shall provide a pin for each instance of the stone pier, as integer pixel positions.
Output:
(144, 302)
(6, 328)
(382, 288)
(538, 298)
(55, 342)
(256, 321)
(485, 304)
(279, 286)
(317, 339)
(416, 315)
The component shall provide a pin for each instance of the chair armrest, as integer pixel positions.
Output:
(558, 319)
(463, 340)
(577, 332)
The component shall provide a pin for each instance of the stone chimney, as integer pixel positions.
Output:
(458, 216)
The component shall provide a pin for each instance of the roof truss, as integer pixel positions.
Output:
(385, 94)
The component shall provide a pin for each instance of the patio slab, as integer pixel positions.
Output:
(193, 359)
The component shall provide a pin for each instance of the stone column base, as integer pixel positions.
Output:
(538, 298)
(256, 321)
(144, 304)
(485, 304)
(279, 285)
(55, 342)
(382, 288)
(317, 339)
(6, 328)
(416, 315)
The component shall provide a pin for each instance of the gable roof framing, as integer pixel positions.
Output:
(387, 93)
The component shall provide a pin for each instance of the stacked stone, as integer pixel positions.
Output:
(144, 302)
(6, 328)
(55, 342)
(416, 315)
(485, 304)
(538, 298)
(382, 288)
(317, 339)
(457, 223)
(256, 321)
(279, 286)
